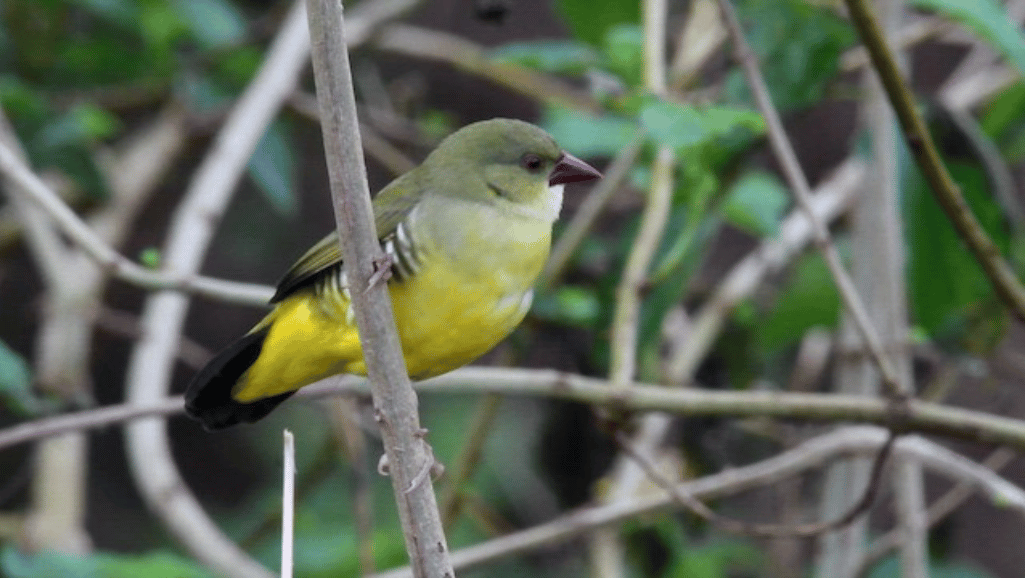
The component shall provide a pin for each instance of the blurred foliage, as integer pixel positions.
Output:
(98, 565)
(890, 568)
(16, 390)
(70, 91)
(988, 20)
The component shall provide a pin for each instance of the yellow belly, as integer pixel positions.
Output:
(446, 317)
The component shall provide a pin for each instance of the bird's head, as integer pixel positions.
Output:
(509, 164)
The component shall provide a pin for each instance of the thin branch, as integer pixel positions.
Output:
(923, 416)
(395, 403)
(937, 512)
(288, 505)
(1003, 278)
(798, 182)
(474, 59)
(635, 273)
(765, 530)
(108, 258)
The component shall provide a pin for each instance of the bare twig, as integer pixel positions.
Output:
(635, 273)
(923, 417)
(937, 512)
(1002, 277)
(858, 509)
(798, 182)
(287, 505)
(395, 402)
(108, 258)
(472, 58)
(812, 453)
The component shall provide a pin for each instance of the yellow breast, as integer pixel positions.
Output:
(460, 303)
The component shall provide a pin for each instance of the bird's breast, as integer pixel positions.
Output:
(467, 296)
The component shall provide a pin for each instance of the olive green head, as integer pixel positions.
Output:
(507, 163)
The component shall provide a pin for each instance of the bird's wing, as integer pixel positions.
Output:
(391, 206)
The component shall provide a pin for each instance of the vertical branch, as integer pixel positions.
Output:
(606, 549)
(883, 261)
(878, 265)
(409, 456)
(287, 504)
(56, 520)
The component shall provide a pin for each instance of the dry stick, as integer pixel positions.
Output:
(923, 416)
(635, 272)
(937, 512)
(948, 194)
(795, 177)
(395, 404)
(811, 453)
(606, 550)
(108, 258)
(587, 214)
(288, 505)
(474, 59)
(758, 529)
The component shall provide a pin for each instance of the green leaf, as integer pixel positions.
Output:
(587, 135)
(150, 257)
(990, 22)
(755, 203)
(568, 305)
(809, 299)
(559, 56)
(213, 23)
(798, 44)
(120, 12)
(624, 52)
(16, 382)
(15, 564)
(82, 124)
(944, 279)
(590, 19)
(683, 126)
(272, 167)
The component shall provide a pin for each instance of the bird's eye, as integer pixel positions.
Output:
(531, 162)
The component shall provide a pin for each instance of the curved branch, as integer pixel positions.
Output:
(107, 257)
(812, 453)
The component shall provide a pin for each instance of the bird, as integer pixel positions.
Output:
(466, 232)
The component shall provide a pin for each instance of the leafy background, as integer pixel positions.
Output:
(77, 76)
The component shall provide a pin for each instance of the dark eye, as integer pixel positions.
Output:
(531, 162)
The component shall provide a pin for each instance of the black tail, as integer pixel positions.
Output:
(208, 398)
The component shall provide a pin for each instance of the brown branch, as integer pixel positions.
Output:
(1001, 276)
(763, 530)
(395, 403)
(922, 416)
